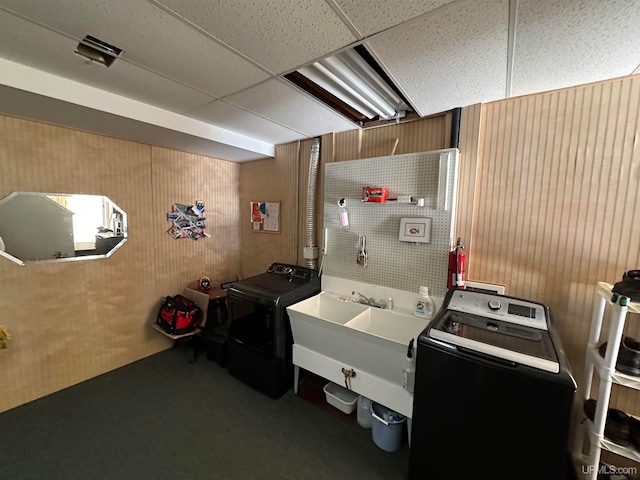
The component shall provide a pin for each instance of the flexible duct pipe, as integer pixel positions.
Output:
(311, 247)
(455, 127)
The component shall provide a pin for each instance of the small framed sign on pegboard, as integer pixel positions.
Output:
(415, 230)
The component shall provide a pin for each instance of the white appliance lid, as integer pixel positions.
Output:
(512, 342)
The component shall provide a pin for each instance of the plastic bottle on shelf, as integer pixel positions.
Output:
(343, 214)
(424, 306)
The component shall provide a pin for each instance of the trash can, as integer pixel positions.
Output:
(386, 427)
(364, 412)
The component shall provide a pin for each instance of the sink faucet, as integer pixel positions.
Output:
(360, 298)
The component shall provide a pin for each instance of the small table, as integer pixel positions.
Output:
(179, 338)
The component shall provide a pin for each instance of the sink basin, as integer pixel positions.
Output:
(367, 339)
(326, 307)
(380, 339)
(388, 325)
(318, 322)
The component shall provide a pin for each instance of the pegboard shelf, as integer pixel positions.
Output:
(391, 263)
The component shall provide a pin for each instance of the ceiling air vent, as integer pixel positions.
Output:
(354, 85)
(98, 51)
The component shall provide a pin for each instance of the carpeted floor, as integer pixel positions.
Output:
(165, 418)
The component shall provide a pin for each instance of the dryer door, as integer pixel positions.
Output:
(251, 324)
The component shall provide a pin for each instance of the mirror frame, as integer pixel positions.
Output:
(117, 246)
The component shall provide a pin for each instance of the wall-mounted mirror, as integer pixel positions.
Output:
(36, 227)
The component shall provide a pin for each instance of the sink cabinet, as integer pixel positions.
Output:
(331, 335)
(364, 383)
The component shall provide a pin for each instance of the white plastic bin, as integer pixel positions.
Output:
(386, 427)
(364, 412)
(341, 398)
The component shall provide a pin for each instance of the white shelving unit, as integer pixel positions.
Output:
(605, 368)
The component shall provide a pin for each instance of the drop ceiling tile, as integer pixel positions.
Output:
(559, 44)
(284, 104)
(149, 37)
(240, 121)
(277, 34)
(45, 50)
(453, 57)
(373, 16)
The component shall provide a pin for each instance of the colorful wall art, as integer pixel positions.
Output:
(188, 221)
(265, 216)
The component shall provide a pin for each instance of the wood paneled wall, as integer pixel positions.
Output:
(556, 202)
(71, 321)
(272, 180)
(179, 177)
(470, 141)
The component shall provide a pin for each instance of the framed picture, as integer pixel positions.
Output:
(265, 217)
(415, 230)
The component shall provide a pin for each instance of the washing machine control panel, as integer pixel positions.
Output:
(520, 312)
(292, 271)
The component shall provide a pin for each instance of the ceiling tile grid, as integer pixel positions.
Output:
(286, 105)
(150, 37)
(219, 62)
(277, 34)
(42, 48)
(453, 57)
(559, 44)
(246, 123)
(374, 16)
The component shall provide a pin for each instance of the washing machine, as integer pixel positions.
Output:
(493, 392)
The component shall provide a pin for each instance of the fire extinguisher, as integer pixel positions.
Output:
(457, 266)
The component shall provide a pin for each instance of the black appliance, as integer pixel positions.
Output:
(260, 339)
(493, 392)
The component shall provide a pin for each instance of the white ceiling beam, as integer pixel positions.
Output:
(29, 79)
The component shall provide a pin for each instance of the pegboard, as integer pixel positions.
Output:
(392, 263)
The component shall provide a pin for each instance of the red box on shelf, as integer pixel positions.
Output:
(373, 194)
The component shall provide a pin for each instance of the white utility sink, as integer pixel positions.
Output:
(360, 337)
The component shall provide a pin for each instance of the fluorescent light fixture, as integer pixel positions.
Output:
(351, 79)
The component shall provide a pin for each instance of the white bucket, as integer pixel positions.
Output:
(364, 412)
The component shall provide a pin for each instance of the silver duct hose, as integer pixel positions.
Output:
(311, 247)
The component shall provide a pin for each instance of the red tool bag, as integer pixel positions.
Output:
(178, 315)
